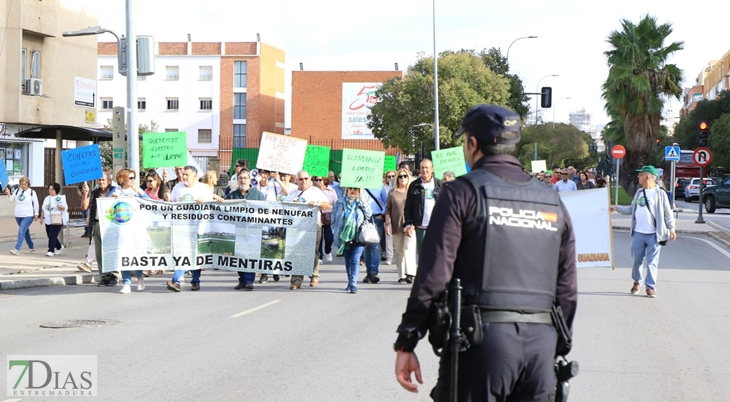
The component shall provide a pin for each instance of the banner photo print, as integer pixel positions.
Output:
(247, 236)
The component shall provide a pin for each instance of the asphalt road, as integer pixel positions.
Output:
(690, 211)
(323, 344)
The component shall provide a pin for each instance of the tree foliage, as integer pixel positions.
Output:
(562, 146)
(715, 113)
(518, 101)
(639, 79)
(463, 80)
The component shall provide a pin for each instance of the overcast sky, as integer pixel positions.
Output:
(373, 35)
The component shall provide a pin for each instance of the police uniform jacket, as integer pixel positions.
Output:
(455, 208)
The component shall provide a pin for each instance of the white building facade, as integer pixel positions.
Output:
(182, 95)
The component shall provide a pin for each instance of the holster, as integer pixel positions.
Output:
(471, 324)
(565, 341)
(439, 324)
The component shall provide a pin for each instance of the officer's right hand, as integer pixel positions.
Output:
(405, 364)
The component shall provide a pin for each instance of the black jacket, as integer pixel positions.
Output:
(413, 211)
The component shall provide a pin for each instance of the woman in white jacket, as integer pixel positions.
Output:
(54, 207)
(26, 212)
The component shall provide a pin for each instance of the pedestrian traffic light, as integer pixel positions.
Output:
(702, 135)
(546, 97)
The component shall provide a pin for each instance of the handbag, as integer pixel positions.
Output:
(368, 233)
(56, 219)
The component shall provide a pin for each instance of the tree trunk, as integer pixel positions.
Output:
(641, 132)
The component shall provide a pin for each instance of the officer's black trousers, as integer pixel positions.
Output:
(515, 362)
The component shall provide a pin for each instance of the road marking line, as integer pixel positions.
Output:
(11, 400)
(259, 308)
(713, 245)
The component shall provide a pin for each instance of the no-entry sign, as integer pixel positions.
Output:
(618, 151)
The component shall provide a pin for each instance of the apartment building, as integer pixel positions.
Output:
(716, 77)
(38, 84)
(222, 94)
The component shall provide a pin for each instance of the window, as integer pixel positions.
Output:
(205, 136)
(172, 73)
(239, 136)
(106, 73)
(239, 74)
(239, 106)
(142, 104)
(107, 103)
(35, 64)
(171, 130)
(24, 66)
(173, 103)
(206, 73)
(206, 104)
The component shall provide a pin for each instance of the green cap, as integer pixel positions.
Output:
(648, 169)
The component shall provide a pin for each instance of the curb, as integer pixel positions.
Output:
(677, 231)
(53, 281)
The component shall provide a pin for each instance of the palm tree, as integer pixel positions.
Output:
(639, 80)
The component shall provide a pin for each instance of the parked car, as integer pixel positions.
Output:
(717, 196)
(679, 185)
(692, 189)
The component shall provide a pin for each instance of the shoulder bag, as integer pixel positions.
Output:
(368, 233)
(56, 219)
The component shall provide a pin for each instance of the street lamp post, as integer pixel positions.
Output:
(513, 42)
(131, 71)
(435, 83)
(555, 106)
(537, 98)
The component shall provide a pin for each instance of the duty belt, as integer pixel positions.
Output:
(513, 316)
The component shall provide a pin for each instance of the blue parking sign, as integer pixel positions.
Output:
(671, 153)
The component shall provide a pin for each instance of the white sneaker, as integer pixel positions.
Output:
(125, 289)
(320, 262)
(50, 254)
(14, 252)
(84, 266)
(31, 251)
(140, 284)
(328, 257)
(57, 252)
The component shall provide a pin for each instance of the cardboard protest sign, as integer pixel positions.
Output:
(81, 164)
(362, 169)
(590, 213)
(4, 179)
(317, 160)
(448, 159)
(390, 163)
(164, 149)
(281, 153)
(538, 166)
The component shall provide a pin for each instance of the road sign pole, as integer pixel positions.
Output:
(700, 219)
(674, 186)
(618, 166)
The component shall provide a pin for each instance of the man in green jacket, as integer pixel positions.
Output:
(245, 192)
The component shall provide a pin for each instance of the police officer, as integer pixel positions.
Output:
(513, 262)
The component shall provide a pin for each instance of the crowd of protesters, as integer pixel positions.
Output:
(569, 179)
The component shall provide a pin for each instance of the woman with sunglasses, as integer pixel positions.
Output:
(325, 245)
(155, 189)
(127, 179)
(403, 246)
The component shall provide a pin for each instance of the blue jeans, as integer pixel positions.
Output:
(372, 251)
(352, 263)
(643, 244)
(24, 232)
(246, 277)
(127, 277)
(179, 273)
(326, 240)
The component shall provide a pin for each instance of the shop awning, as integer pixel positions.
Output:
(67, 133)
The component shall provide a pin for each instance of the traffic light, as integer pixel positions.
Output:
(609, 158)
(546, 97)
(702, 135)
(658, 142)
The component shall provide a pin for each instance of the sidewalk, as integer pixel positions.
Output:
(37, 270)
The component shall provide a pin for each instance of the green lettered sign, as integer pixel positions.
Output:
(164, 149)
(317, 160)
(449, 159)
(362, 169)
(389, 163)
